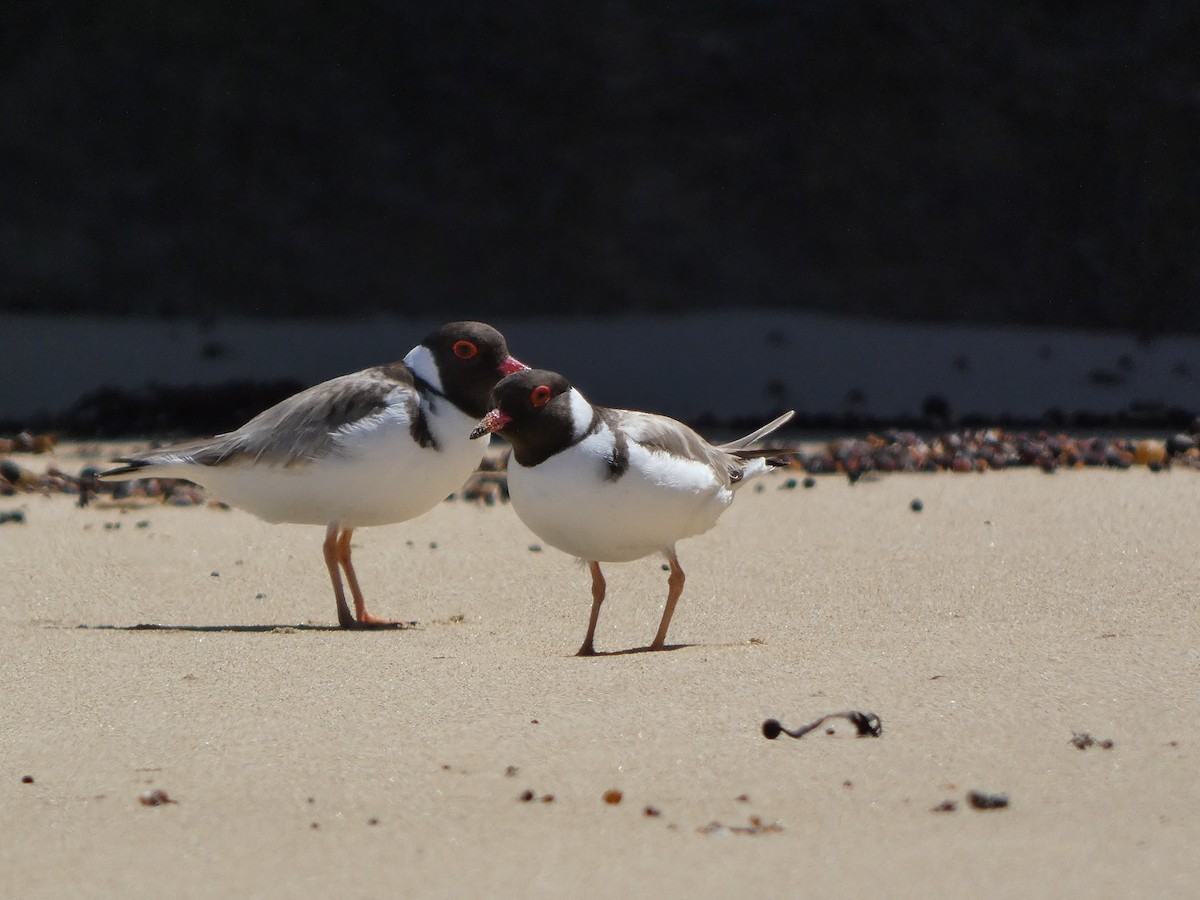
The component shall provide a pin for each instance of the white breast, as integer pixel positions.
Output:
(570, 502)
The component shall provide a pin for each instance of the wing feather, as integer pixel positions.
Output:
(302, 427)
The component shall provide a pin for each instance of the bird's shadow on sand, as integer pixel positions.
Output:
(247, 629)
(667, 648)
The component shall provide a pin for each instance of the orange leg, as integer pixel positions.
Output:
(598, 587)
(674, 589)
(330, 547)
(337, 552)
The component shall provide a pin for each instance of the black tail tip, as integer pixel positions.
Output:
(131, 466)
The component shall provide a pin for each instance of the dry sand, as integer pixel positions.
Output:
(1016, 609)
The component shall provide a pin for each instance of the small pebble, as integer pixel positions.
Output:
(809, 482)
(651, 812)
(980, 800)
(945, 806)
(1149, 452)
(613, 797)
(916, 505)
(433, 545)
(526, 796)
(535, 548)
(156, 797)
(1180, 443)
(372, 821)
(789, 485)
(26, 779)
(1081, 740)
(215, 574)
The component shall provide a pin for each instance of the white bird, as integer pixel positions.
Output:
(373, 447)
(614, 485)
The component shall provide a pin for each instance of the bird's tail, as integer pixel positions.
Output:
(134, 468)
(773, 458)
(760, 460)
(739, 446)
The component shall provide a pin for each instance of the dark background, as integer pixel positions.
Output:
(1031, 163)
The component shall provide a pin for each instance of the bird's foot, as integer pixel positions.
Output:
(368, 622)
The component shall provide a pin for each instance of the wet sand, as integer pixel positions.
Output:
(1014, 611)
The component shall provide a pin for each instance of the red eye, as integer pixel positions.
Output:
(540, 395)
(464, 349)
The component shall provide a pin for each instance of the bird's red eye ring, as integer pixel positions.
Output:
(464, 349)
(540, 395)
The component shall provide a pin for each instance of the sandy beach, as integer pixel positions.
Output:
(1017, 609)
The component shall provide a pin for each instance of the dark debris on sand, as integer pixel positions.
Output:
(994, 448)
(16, 479)
(890, 451)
